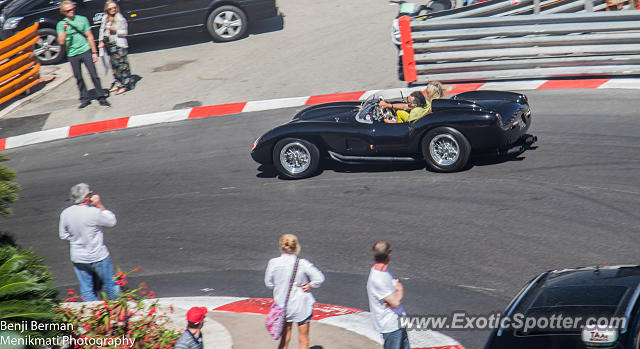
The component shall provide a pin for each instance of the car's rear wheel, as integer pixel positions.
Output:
(227, 23)
(296, 158)
(47, 48)
(445, 149)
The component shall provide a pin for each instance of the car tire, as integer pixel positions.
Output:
(47, 49)
(296, 158)
(227, 23)
(445, 149)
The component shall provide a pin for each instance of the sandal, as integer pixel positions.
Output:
(121, 91)
(114, 89)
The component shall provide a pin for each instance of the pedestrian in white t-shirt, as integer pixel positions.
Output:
(385, 299)
(300, 304)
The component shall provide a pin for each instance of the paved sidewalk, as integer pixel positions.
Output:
(248, 332)
(236, 322)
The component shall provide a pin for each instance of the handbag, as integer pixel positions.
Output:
(277, 315)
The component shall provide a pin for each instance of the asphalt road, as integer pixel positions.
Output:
(200, 218)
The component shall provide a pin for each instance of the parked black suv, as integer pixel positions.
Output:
(226, 20)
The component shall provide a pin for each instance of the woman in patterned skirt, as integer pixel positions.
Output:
(113, 37)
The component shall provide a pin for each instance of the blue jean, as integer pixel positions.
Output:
(396, 340)
(104, 271)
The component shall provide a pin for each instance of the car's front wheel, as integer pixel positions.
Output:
(296, 158)
(47, 49)
(445, 149)
(227, 23)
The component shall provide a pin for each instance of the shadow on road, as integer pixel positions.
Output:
(486, 160)
(268, 171)
(188, 37)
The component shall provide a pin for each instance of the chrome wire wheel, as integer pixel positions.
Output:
(444, 149)
(295, 158)
(227, 24)
(46, 48)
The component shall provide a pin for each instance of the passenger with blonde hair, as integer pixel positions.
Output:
(435, 90)
(300, 301)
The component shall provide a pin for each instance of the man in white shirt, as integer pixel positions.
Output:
(385, 299)
(81, 224)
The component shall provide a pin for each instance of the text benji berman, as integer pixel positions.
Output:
(34, 326)
(63, 341)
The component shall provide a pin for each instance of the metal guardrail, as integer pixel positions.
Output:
(19, 70)
(521, 47)
(500, 8)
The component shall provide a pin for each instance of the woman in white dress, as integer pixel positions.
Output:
(300, 305)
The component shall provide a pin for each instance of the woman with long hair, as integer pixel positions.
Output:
(113, 38)
(300, 303)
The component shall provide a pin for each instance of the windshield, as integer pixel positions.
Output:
(369, 111)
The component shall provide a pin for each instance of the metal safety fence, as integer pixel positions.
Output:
(19, 70)
(521, 47)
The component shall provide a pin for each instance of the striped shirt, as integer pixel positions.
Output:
(188, 341)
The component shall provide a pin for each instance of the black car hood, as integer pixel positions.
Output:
(342, 111)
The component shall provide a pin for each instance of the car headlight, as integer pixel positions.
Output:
(11, 23)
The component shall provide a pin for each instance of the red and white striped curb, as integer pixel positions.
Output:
(350, 319)
(244, 107)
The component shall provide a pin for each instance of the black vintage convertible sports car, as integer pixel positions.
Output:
(355, 132)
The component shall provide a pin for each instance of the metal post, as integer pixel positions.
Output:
(588, 5)
(536, 7)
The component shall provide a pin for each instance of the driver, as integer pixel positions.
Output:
(415, 108)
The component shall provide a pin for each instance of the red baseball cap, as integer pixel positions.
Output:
(196, 314)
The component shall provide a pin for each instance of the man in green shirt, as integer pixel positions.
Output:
(74, 32)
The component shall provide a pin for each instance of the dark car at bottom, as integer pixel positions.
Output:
(225, 20)
(601, 303)
(355, 133)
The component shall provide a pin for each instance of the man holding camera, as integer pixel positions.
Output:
(81, 224)
(74, 33)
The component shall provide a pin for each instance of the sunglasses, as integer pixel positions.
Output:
(69, 10)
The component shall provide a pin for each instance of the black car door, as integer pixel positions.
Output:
(375, 139)
(148, 16)
(391, 139)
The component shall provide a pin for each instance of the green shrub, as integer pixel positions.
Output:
(27, 292)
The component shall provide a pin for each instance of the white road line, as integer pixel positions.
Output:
(37, 137)
(512, 85)
(621, 83)
(478, 288)
(157, 118)
(275, 104)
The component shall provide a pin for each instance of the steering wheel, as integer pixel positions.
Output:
(389, 113)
